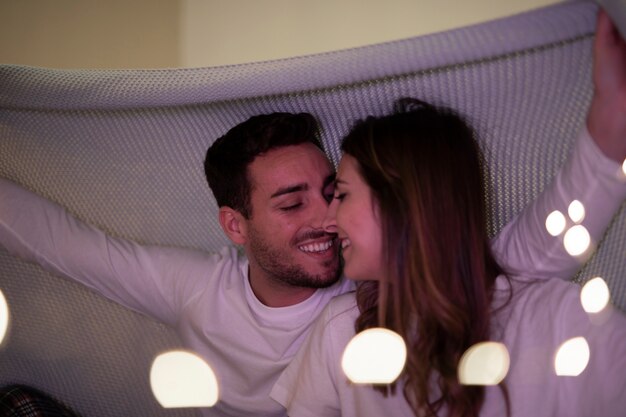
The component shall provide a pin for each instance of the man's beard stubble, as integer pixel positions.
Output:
(276, 263)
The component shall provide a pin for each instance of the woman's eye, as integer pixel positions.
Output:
(339, 196)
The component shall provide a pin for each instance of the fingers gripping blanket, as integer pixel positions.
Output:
(123, 150)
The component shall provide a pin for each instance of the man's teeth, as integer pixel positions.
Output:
(345, 243)
(316, 247)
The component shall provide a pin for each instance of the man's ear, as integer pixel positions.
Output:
(234, 225)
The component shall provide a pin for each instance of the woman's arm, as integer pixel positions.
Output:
(592, 175)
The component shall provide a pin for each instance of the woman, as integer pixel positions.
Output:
(409, 213)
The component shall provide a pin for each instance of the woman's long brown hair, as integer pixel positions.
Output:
(423, 166)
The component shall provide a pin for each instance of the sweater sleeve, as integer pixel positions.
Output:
(600, 389)
(149, 279)
(524, 246)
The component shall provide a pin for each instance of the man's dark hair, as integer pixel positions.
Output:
(227, 159)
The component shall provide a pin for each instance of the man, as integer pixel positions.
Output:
(272, 183)
(247, 315)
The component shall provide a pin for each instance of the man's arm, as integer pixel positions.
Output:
(592, 175)
(151, 280)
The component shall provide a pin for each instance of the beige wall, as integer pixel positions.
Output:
(219, 32)
(195, 33)
(90, 33)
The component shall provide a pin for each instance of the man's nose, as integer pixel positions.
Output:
(329, 223)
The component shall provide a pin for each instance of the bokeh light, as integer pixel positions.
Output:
(595, 295)
(4, 316)
(624, 167)
(555, 223)
(576, 240)
(181, 379)
(576, 211)
(374, 356)
(572, 357)
(485, 363)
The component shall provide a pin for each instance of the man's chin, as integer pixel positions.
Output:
(329, 278)
(326, 283)
(315, 279)
(308, 273)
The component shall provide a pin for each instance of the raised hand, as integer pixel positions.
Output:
(606, 119)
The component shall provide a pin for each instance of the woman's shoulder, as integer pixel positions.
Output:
(341, 312)
(552, 306)
(534, 305)
(524, 290)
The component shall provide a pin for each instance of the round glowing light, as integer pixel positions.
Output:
(4, 316)
(576, 211)
(576, 240)
(555, 223)
(485, 363)
(595, 295)
(182, 379)
(374, 356)
(624, 167)
(572, 357)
